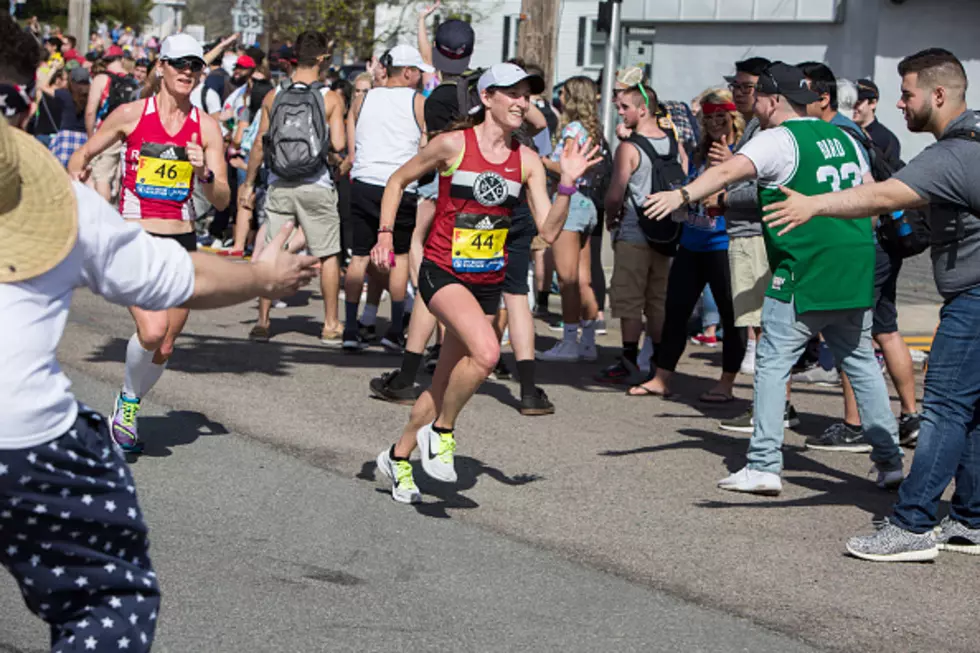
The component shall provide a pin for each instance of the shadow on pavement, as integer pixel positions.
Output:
(468, 471)
(834, 487)
(160, 433)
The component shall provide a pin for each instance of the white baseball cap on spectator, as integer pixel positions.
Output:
(405, 56)
(505, 75)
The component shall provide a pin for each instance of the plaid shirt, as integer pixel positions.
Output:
(685, 126)
(64, 143)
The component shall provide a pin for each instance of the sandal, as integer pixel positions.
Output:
(713, 397)
(259, 334)
(646, 392)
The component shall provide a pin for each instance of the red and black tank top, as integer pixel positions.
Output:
(157, 178)
(473, 214)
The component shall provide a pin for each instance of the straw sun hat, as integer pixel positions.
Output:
(38, 211)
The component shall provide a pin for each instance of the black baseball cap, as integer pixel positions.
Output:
(453, 47)
(752, 66)
(867, 90)
(786, 80)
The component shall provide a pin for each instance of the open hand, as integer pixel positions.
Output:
(719, 152)
(427, 10)
(660, 205)
(795, 210)
(577, 159)
(383, 253)
(284, 271)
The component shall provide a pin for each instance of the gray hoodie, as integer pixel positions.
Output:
(742, 214)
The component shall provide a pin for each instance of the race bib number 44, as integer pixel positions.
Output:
(163, 173)
(478, 242)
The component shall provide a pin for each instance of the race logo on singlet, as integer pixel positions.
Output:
(490, 189)
(163, 172)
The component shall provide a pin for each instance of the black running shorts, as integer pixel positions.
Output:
(433, 278)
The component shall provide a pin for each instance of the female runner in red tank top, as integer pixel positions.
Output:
(170, 147)
(483, 171)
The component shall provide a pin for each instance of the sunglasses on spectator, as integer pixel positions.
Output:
(193, 64)
(742, 88)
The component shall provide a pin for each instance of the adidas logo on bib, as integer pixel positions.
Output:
(169, 153)
(484, 224)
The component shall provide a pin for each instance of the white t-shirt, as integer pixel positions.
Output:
(113, 258)
(206, 99)
(775, 156)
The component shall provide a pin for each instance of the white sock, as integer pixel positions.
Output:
(370, 315)
(141, 372)
(571, 333)
(750, 350)
(588, 333)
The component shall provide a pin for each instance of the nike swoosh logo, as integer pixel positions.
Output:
(510, 169)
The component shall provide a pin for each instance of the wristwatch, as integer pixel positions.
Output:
(208, 177)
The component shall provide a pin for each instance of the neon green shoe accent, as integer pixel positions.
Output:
(130, 409)
(403, 475)
(447, 447)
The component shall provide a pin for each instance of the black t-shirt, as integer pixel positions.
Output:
(71, 119)
(219, 82)
(441, 107)
(885, 139)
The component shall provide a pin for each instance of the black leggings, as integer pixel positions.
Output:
(598, 274)
(689, 273)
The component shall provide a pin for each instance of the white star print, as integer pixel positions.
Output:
(131, 489)
(110, 506)
(72, 455)
(49, 467)
(115, 603)
(153, 616)
(110, 568)
(83, 624)
(55, 528)
(81, 581)
(139, 598)
(11, 550)
(91, 643)
(123, 642)
(65, 492)
(29, 582)
(32, 458)
(6, 514)
(65, 515)
(24, 480)
(133, 619)
(58, 572)
(44, 487)
(35, 560)
(14, 501)
(53, 446)
(129, 576)
(41, 509)
(147, 582)
(131, 513)
(46, 546)
(108, 623)
(4, 470)
(32, 521)
(87, 499)
(143, 637)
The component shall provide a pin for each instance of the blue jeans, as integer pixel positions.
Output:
(709, 309)
(949, 435)
(848, 334)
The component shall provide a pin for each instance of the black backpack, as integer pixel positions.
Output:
(298, 141)
(904, 233)
(467, 95)
(599, 176)
(122, 89)
(663, 235)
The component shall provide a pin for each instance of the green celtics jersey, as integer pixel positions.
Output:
(825, 264)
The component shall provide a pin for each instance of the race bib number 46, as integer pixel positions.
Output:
(478, 242)
(163, 173)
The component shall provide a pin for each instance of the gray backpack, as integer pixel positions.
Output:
(298, 141)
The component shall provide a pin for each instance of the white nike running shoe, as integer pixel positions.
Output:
(437, 452)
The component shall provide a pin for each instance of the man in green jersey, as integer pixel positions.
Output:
(822, 273)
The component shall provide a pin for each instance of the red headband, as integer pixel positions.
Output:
(710, 107)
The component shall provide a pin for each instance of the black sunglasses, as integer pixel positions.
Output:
(193, 64)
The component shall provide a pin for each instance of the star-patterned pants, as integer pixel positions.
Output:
(72, 534)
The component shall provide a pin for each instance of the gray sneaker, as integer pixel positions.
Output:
(818, 376)
(745, 424)
(840, 437)
(889, 543)
(954, 536)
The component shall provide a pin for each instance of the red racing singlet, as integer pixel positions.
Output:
(158, 179)
(473, 214)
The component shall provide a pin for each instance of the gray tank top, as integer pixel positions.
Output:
(638, 188)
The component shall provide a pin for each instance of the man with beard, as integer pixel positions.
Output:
(945, 177)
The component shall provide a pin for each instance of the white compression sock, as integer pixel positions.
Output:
(370, 315)
(141, 373)
(588, 332)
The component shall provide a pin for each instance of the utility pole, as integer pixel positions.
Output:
(609, 72)
(79, 12)
(537, 35)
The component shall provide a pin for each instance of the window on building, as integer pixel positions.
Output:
(511, 24)
(591, 44)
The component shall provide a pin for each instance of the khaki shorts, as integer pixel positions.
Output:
(750, 278)
(106, 167)
(312, 207)
(639, 283)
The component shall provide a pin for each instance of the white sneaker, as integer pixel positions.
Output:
(888, 480)
(752, 481)
(588, 352)
(437, 453)
(403, 488)
(748, 363)
(565, 351)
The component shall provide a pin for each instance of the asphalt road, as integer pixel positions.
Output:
(596, 529)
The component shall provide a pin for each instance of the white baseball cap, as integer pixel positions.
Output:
(178, 46)
(505, 75)
(405, 56)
